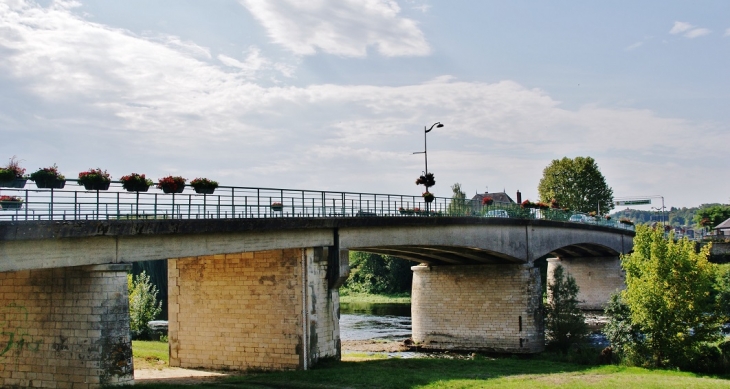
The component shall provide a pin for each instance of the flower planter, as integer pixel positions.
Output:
(178, 189)
(16, 183)
(97, 185)
(11, 204)
(429, 199)
(277, 208)
(138, 188)
(205, 190)
(50, 184)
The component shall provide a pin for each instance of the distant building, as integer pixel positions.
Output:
(498, 197)
(723, 228)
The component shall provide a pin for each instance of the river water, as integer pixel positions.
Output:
(375, 321)
(364, 321)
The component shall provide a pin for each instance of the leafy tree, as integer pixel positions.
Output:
(712, 216)
(576, 184)
(669, 293)
(620, 331)
(458, 205)
(565, 323)
(143, 304)
(378, 274)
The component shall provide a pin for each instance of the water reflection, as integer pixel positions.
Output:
(360, 321)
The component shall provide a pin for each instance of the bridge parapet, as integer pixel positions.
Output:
(73, 202)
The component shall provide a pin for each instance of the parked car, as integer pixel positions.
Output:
(580, 218)
(497, 213)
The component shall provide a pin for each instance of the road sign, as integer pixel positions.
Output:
(633, 202)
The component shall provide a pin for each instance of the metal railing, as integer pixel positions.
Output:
(74, 202)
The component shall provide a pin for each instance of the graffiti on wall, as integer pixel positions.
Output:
(14, 337)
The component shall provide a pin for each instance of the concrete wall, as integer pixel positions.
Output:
(494, 308)
(597, 278)
(65, 328)
(263, 310)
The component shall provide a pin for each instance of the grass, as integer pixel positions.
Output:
(360, 298)
(479, 372)
(150, 354)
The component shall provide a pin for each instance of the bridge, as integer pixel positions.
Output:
(254, 275)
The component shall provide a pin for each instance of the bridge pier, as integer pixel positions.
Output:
(494, 308)
(65, 327)
(597, 278)
(268, 310)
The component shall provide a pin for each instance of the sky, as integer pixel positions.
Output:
(335, 94)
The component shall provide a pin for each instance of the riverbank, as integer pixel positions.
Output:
(365, 298)
(366, 364)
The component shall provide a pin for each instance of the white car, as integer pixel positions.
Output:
(496, 213)
(580, 218)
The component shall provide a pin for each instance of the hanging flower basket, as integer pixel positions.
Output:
(487, 201)
(204, 185)
(10, 202)
(48, 177)
(428, 197)
(95, 179)
(278, 207)
(171, 184)
(136, 183)
(11, 176)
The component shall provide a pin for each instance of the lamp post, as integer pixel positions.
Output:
(425, 151)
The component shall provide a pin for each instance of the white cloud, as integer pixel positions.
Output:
(132, 102)
(697, 32)
(680, 27)
(687, 30)
(634, 46)
(340, 27)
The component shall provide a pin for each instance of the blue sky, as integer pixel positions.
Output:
(333, 95)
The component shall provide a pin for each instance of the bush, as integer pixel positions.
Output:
(143, 305)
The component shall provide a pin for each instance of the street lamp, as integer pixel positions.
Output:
(425, 149)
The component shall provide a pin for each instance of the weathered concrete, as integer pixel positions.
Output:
(263, 310)
(597, 278)
(65, 328)
(439, 241)
(495, 308)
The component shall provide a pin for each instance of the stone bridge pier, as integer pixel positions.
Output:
(65, 327)
(597, 278)
(268, 310)
(494, 308)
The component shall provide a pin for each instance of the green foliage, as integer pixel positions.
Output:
(620, 330)
(458, 206)
(712, 216)
(722, 289)
(565, 324)
(576, 184)
(143, 305)
(378, 274)
(669, 294)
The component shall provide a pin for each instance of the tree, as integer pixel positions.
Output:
(712, 216)
(378, 274)
(670, 295)
(565, 323)
(576, 184)
(143, 304)
(458, 205)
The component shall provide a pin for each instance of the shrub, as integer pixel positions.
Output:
(143, 305)
(135, 181)
(203, 183)
(94, 176)
(171, 183)
(12, 170)
(47, 174)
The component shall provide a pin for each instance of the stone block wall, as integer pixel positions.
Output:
(65, 327)
(597, 278)
(495, 308)
(265, 310)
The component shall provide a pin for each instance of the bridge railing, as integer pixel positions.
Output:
(73, 202)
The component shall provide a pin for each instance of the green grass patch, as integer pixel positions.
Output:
(479, 372)
(364, 298)
(150, 349)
